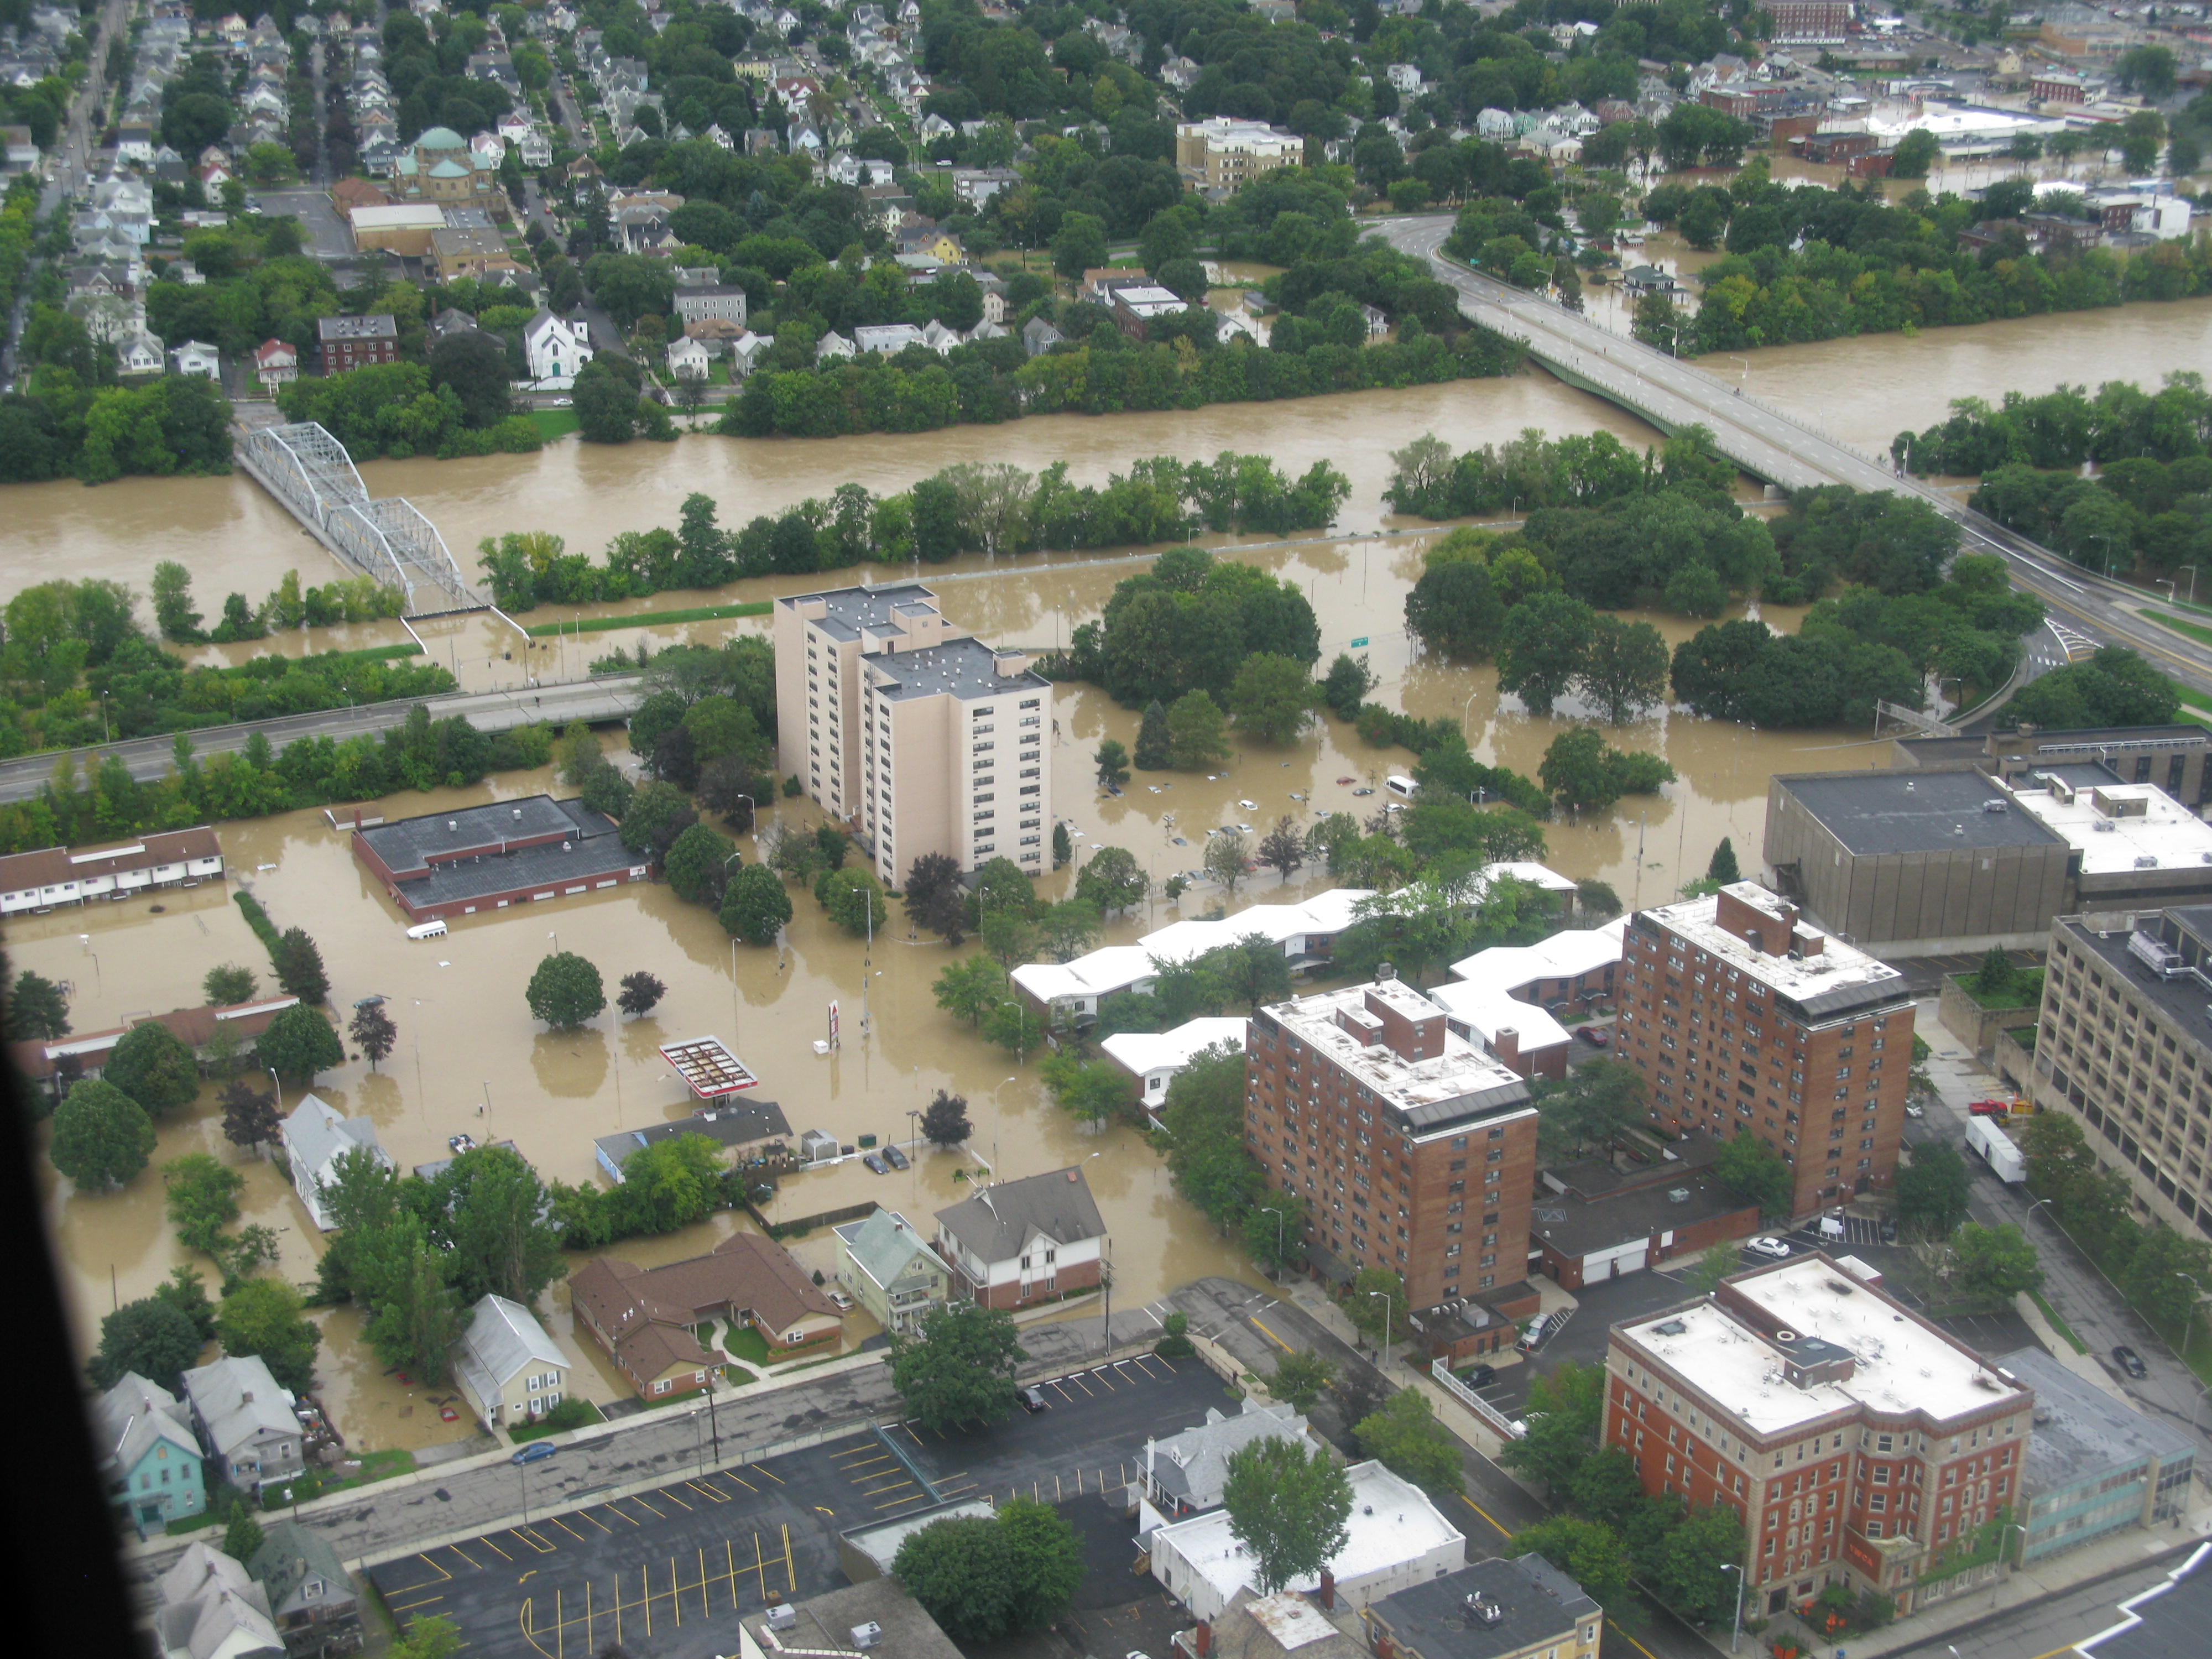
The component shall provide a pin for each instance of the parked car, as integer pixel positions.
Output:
(877, 1165)
(1914, 1109)
(1778, 1249)
(1889, 1229)
(1249, 806)
(536, 1452)
(1598, 1036)
(2129, 1361)
(1479, 1376)
(1032, 1399)
(838, 1299)
(1533, 1337)
(1363, 790)
(1989, 1108)
(897, 1159)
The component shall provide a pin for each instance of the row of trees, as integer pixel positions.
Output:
(970, 508)
(2163, 1274)
(2064, 429)
(2136, 513)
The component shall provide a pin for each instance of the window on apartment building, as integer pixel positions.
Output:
(1034, 702)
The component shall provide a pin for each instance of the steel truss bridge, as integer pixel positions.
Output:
(309, 471)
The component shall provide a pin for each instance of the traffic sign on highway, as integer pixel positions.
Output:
(1362, 640)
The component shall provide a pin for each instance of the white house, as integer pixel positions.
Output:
(688, 360)
(555, 349)
(315, 1137)
(1154, 1058)
(1405, 78)
(275, 362)
(210, 1608)
(198, 357)
(139, 353)
(510, 1370)
(1019, 1242)
(1395, 1538)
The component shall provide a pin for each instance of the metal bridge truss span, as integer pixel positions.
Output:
(389, 539)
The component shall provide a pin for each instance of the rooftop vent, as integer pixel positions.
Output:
(1993, 806)
(2146, 862)
(1908, 785)
(517, 815)
(1678, 1195)
(1670, 1328)
(1839, 1287)
(452, 823)
(1480, 1609)
(2102, 826)
(1785, 1338)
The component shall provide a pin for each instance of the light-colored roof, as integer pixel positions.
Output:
(314, 1133)
(1901, 1365)
(1486, 1011)
(883, 1246)
(1194, 1464)
(240, 1401)
(1836, 966)
(440, 138)
(292, 1556)
(504, 1339)
(2165, 836)
(1115, 967)
(1568, 954)
(200, 1570)
(1140, 1052)
(1391, 1521)
(999, 1220)
(134, 1416)
(1432, 1093)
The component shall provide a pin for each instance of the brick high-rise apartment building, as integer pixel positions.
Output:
(1859, 1443)
(925, 739)
(1411, 1148)
(1747, 1020)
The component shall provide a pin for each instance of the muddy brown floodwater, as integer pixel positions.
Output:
(470, 1058)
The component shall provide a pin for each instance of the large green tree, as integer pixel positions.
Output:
(958, 1365)
(960, 1569)
(1406, 1435)
(102, 1137)
(299, 964)
(1543, 645)
(264, 1316)
(1624, 670)
(1271, 697)
(1197, 737)
(202, 1198)
(565, 991)
(1288, 1506)
(299, 1043)
(1564, 1412)
(1113, 880)
(155, 1066)
(1996, 1262)
(1756, 1174)
(493, 1210)
(1590, 1107)
(154, 1338)
(1933, 1188)
(1045, 1560)
(37, 1007)
(697, 864)
(755, 904)
(936, 898)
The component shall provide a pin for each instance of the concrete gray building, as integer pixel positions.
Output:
(2123, 1044)
(2096, 1465)
(2170, 756)
(1925, 863)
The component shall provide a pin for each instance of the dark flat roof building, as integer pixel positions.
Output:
(2170, 756)
(1494, 1609)
(443, 865)
(1916, 863)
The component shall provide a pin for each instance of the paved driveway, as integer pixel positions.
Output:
(326, 235)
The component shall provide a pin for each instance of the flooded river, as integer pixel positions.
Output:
(470, 1058)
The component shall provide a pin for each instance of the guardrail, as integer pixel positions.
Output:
(1496, 1420)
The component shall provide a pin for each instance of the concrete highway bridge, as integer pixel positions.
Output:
(1781, 448)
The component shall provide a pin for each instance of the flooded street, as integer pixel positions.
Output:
(470, 1059)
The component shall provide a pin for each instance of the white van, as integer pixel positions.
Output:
(1398, 784)
(427, 930)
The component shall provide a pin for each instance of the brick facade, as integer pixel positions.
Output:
(1437, 1192)
(1745, 1021)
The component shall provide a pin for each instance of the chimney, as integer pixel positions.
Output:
(1328, 1588)
(1506, 1043)
(1383, 970)
(1202, 1639)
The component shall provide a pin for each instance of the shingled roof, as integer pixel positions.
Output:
(998, 1221)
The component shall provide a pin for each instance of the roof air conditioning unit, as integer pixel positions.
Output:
(1679, 1195)
(867, 1636)
(782, 1616)
(2146, 862)
(1993, 806)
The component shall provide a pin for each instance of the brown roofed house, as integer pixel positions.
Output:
(646, 1318)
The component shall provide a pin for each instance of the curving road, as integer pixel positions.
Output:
(1770, 444)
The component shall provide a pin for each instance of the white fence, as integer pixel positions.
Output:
(1505, 1427)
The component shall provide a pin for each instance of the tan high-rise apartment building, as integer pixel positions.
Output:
(1411, 1148)
(1748, 1020)
(922, 739)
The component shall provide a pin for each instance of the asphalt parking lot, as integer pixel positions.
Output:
(325, 235)
(1090, 1436)
(669, 1570)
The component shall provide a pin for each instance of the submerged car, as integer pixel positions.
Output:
(876, 1164)
(897, 1159)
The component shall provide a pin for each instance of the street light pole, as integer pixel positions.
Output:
(2009, 1526)
(2191, 569)
(1269, 1209)
(1736, 1629)
(1383, 1356)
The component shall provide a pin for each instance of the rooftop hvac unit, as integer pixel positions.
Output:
(1993, 806)
(782, 1616)
(867, 1636)
(1679, 1195)
(2146, 862)
(2103, 826)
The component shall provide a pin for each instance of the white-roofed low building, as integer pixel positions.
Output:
(1154, 1058)
(1395, 1538)
(1575, 966)
(511, 1371)
(1304, 930)
(1526, 1038)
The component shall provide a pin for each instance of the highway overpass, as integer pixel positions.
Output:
(1781, 448)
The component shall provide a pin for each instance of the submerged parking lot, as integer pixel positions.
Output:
(669, 1571)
